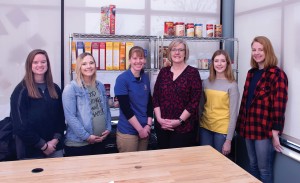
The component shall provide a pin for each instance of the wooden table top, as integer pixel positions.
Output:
(190, 164)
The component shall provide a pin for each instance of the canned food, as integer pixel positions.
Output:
(209, 30)
(116, 102)
(189, 28)
(179, 29)
(169, 29)
(198, 30)
(110, 102)
(218, 30)
(199, 63)
(107, 89)
(204, 63)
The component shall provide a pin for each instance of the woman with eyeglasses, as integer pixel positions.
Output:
(176, 99)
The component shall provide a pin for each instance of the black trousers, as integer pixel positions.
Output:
(171, 139)
(91, 149)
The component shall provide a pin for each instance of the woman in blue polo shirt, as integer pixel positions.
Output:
(132, 89)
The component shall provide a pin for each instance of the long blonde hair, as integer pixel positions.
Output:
(79, 76)
(228, 71)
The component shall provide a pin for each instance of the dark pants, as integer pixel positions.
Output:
(91, 149)
(171, 139)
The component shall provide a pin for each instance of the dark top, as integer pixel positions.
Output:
(124, 102)
(256, 77)
(173, 97)
(36, 121)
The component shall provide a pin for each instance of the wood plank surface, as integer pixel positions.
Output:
(190, 164)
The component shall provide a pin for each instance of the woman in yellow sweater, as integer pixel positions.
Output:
(220, 109)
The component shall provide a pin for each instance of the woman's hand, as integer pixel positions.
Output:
(103, 135)
(94, 139)
(226, 147)
(53, 142)
(165, 124)
(48, 149)
(276, 142)
(144, 132)
(174, 122)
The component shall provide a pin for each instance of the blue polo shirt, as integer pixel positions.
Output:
(138, 92)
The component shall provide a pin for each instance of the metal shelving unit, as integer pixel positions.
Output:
(154, 43)
(219, 43)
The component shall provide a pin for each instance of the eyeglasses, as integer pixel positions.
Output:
(179, 50)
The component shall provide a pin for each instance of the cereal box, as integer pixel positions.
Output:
(107, 21)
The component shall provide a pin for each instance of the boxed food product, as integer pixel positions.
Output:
(102, 55)
(129, 45)
(95, 53)
(109, 56)
(107, 21)
(163, 52)
(80, 47)
(116, 55)
(73, 48)
(122, 55)
(88, 47)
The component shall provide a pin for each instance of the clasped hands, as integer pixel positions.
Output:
(50, 147)
(96, 139)
(144, 132)
(168, 124)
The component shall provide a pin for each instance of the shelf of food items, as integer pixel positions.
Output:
(111, 51)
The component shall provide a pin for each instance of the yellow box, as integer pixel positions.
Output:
(109, 56)
(129, 45)
(122, 55)
(116, 55)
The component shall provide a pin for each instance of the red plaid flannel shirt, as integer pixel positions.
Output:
(267, 108)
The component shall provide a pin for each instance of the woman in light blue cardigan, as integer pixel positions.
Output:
(86, 110)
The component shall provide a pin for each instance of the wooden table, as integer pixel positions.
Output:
(192, 164)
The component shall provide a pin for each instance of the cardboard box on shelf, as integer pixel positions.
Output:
(73, 55)
(95, 53)
(109, 56)
(122, 55)
(116, 55)
(108, 19)
(129, 45)
(102, 60)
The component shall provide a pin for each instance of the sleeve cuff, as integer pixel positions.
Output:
(40, 144)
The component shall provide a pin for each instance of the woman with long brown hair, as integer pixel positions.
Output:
(221, 101)
(36, 110)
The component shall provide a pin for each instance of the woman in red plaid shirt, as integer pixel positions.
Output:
(261, 117)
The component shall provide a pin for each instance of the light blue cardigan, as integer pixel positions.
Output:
(78, 114)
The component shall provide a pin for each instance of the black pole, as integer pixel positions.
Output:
(227, 21)
(62, 42)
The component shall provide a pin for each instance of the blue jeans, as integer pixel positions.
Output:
(261, 157)
(216, 140)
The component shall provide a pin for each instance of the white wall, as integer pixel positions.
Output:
(136, 17)
(24, 26)
(279, 21)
